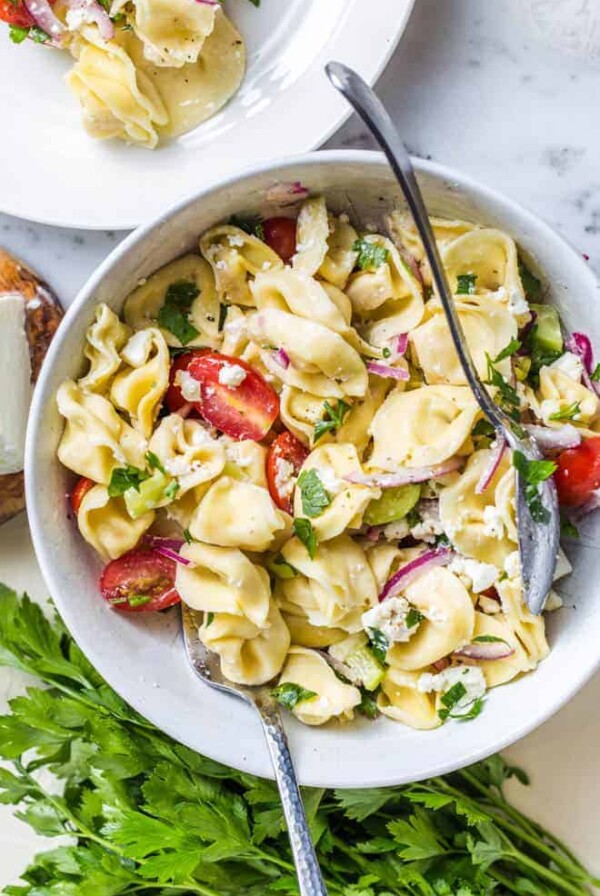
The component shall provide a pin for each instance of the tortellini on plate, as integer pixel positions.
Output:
(139, 387)
(235, 257)
(104, 340)
(187, 452)
(173, 31)
(106, 525)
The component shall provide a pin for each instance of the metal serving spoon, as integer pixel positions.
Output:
(207, 667)
(538, 541)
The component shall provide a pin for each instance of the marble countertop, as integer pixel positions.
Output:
(506, 91)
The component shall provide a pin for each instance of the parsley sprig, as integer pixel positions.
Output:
(333, 417)
(534, 472)
(173, 315)
(465, 284)
(315, 498)
(370, 255)
(137, 812)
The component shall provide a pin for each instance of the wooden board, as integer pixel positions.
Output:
(43, 314)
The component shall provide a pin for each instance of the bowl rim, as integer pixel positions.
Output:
(578, 676)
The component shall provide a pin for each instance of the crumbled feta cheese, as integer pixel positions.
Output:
(235, 240)
(266, 266)
(517, 303)
(480, 576)
(284, 477)
(232, 375)
(553, 602)
(429, 525)
(471, 677)
(76, 18)
(512, 565)
(389, 617)
(331, 483)
(563, 565)
(138, 348)
(221, 265)
(493, 524)
(178, 466)
(190, 387)
(570, 365)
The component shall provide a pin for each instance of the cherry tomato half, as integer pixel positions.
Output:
(139, 582)
(174, 399)
(286, 456)
(578, 473)
(81, 489)
(242, 410)
(280, 235)
(16, 13)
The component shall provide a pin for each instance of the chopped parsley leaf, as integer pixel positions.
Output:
(17, 33)
(385, 352)
(569, 413)
(465, 284)
(534, 472)
(595, 374)
(483, 429)
(280, 568)
(332, 419)
(368, 705)
(568, 528)
(290, 694)
(312, 491)
(188, 536)
(370, 255)
(252, 225)
(123, 478)
(154, 462)
(451, 699)
(171, 490)
(210, 618)
(379, 644)
(413, 618)
(508, 400)
(513, 346)
(488, 639)
(532, 287)
(303, 530)
(173, 316)
(138, 600)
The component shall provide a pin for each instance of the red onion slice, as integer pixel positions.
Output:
(43, 16)
(173, 555)
(485, 650)
(401, 344)
(384, 370)
(95, 13)
(493, 464)
(548, 439)
(282, 358)
(580, 344)
(404, 477)
(409, 572)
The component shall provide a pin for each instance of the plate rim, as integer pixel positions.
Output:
(43, 546)
(311, 144)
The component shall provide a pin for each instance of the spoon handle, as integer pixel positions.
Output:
(307, 866)
(372, 111)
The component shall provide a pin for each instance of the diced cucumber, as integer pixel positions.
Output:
(394, 504)
(547, 335)
(154, 492)
(358, 658)
(522, 366)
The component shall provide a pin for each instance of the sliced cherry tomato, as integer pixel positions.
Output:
(81, 488)
(243, 410)
(286, 456)
(15, 13)
(174, 399)
(140, 581)
(578, 473)
(280, 235)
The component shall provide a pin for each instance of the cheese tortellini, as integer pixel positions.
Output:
(298, 442)
(153, 69)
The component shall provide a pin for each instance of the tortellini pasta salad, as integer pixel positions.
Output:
(277, 432)
(144, 70)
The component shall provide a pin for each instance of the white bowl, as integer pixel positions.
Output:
(142, 657)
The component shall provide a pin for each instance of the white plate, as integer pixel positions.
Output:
(54, 173)
(143, 658)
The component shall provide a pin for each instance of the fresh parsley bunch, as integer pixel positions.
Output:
(145, 815)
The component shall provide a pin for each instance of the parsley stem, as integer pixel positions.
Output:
(532, 831)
